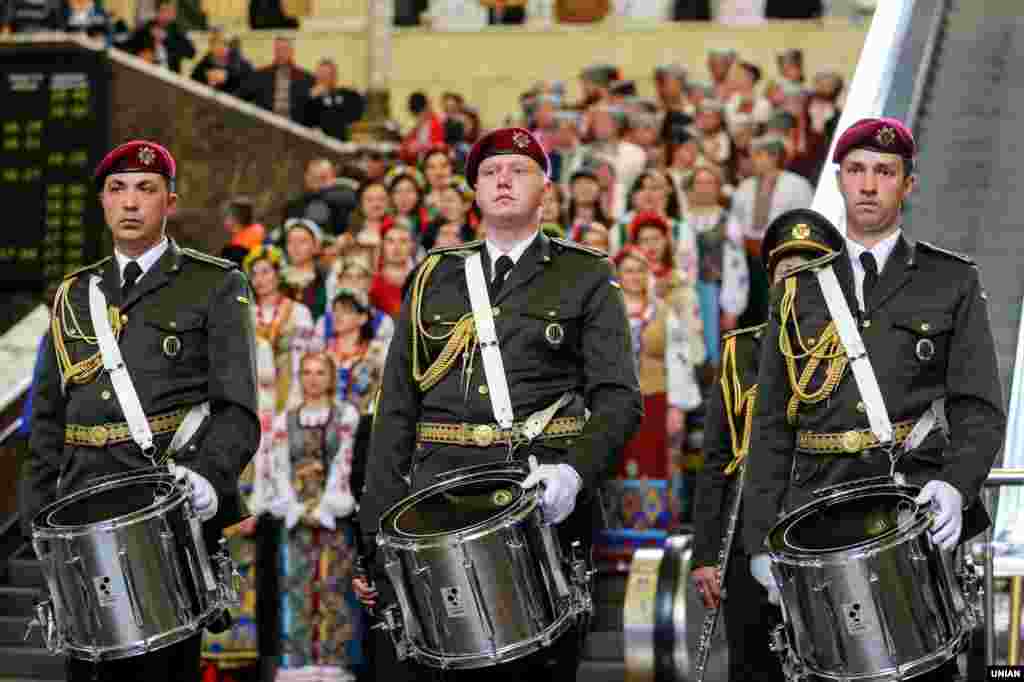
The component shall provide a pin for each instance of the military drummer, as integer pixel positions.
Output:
(562, 330)
(182, 321)
(922, 313)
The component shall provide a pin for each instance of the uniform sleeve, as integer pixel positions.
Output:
(712, 484)
(974, 401)
(611, 385)
(37, 484)
(233, 432)
(771, 445)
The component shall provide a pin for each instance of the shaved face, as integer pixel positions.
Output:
(136, 207)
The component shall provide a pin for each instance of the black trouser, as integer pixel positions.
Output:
(749, 619)
(175, 663)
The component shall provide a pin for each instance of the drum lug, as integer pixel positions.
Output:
(230, 579)
(792, 667)
(970, 579)
(45, 622)
(391, 623)
(581, 577)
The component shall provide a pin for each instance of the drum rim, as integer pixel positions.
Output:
(519, 510)
(158, 508)
(790, 554)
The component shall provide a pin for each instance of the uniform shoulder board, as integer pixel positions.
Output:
(576, 246)
(931, 248)
(207, 258)
(97, 264)
(746, 330)
(457, 249)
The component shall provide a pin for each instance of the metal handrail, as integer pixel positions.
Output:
(996, 478)
(924, 69)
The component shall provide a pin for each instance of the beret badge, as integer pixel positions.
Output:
(886, 137)
(520, 140)
(147, 156)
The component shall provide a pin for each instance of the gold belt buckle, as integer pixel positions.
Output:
(483, 435)
(851, 441)
(99, 435)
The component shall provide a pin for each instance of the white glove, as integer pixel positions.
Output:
(761, 569)
(949, 513)
(204, 497)
(561, 485)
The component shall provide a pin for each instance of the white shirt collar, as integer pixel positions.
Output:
(515, 253)
(881, 251)
(145, 261)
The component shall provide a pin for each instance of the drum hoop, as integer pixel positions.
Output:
(157, 509)
(515, 513)
(797, 556)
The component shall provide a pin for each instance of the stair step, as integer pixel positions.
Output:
(31, 664)
(25, 573)
(19, 601)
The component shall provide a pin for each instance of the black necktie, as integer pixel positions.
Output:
(501, 269)
(870, 275)
(132, 272)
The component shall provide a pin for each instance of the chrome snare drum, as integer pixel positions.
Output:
(866, 596)
(127, 568)
(480, 579)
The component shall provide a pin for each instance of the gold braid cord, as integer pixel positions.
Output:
(64, 326)
(738, 404)
(461, 337)
(828, 347)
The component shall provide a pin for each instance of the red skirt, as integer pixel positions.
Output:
(646, 454)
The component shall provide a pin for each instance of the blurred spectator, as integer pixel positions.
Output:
(144, 46)
(585, 200)
(505, 11)
(350, 339)
(627, 159)
(406, 187)
(455, 140)
(217, 68)
(691, 10)
(594, 235)
(452, 104)
(437, 169)
(375, 164)
(790, 63)
(552, 205)
(396, 262)
(85, 16)
(304, 279)
(715, 145)
(620, 91)
(244, 233)
(376, 219)
(269, 14)
(719, 61)
(355, 273)
(742, 130)
(426, 133)
(652, 234)
(595, 81)
(653, 192)
(31, 16)
(743, 78)
(566, 151)
(682, 154)
(822, 117)
(793, 9)
(284, 323)
(328, 201)
(456, 200)
(280, 87)
(670, 86)
(543, 123)
(331, 108)
(171, 43)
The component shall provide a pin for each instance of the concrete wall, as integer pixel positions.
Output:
(492, 66)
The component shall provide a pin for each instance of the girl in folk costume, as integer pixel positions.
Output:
(285, 324)
(307, 611)
(437, 167)
(406, 187)
(354, 272)
(723, 282)
(654, 192)
(456, 213)
(357, 355)
(304, 279)
(375, 206)
(397, 259)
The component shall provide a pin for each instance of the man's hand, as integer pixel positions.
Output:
(761, 569)
(949, 514)
(561, 485)
(204, 497)
(706, 581)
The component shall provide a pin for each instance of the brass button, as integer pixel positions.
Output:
(174, 325)
(865, 323)
(482, 389)
(437, 318)
(124, 319)
(105, 395)
(860, 406)
(925, 326)
(496, 311)
(552, 313)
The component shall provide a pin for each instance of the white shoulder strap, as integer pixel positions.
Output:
(138, 425)
(490, 353)
(863, 373)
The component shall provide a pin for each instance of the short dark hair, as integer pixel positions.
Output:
(241, 209)
(417, 103)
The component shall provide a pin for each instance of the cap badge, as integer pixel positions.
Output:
(147, 156)
(801, 231)
(520, 140)
(886, 136)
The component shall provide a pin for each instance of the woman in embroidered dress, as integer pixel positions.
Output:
(437, 167)
(303, 484)
(286, 324)
(723, 282)
(406, 186)
(397, 259)
(358, 356)
(355, 272)
(376, 219)
(654, 192)
(303, 278)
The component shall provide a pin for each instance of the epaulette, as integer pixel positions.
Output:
(945, 252)
(565, 243)
(745, 330)
(454, 250)
(207, 258)
(75, 273)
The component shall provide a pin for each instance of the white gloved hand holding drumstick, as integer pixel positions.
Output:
(204, 497)
(561, 485)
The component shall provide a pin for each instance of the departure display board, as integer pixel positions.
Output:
(54, 129)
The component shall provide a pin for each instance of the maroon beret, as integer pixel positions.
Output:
(505, 141)
(886, 135)
(137, 156)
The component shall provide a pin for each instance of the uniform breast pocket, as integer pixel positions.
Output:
(552, 328)
(437, 325)
(176, 340)
(923, 339)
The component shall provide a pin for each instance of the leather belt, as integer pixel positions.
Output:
(485, 435)
(850, 442)
(101, 435)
